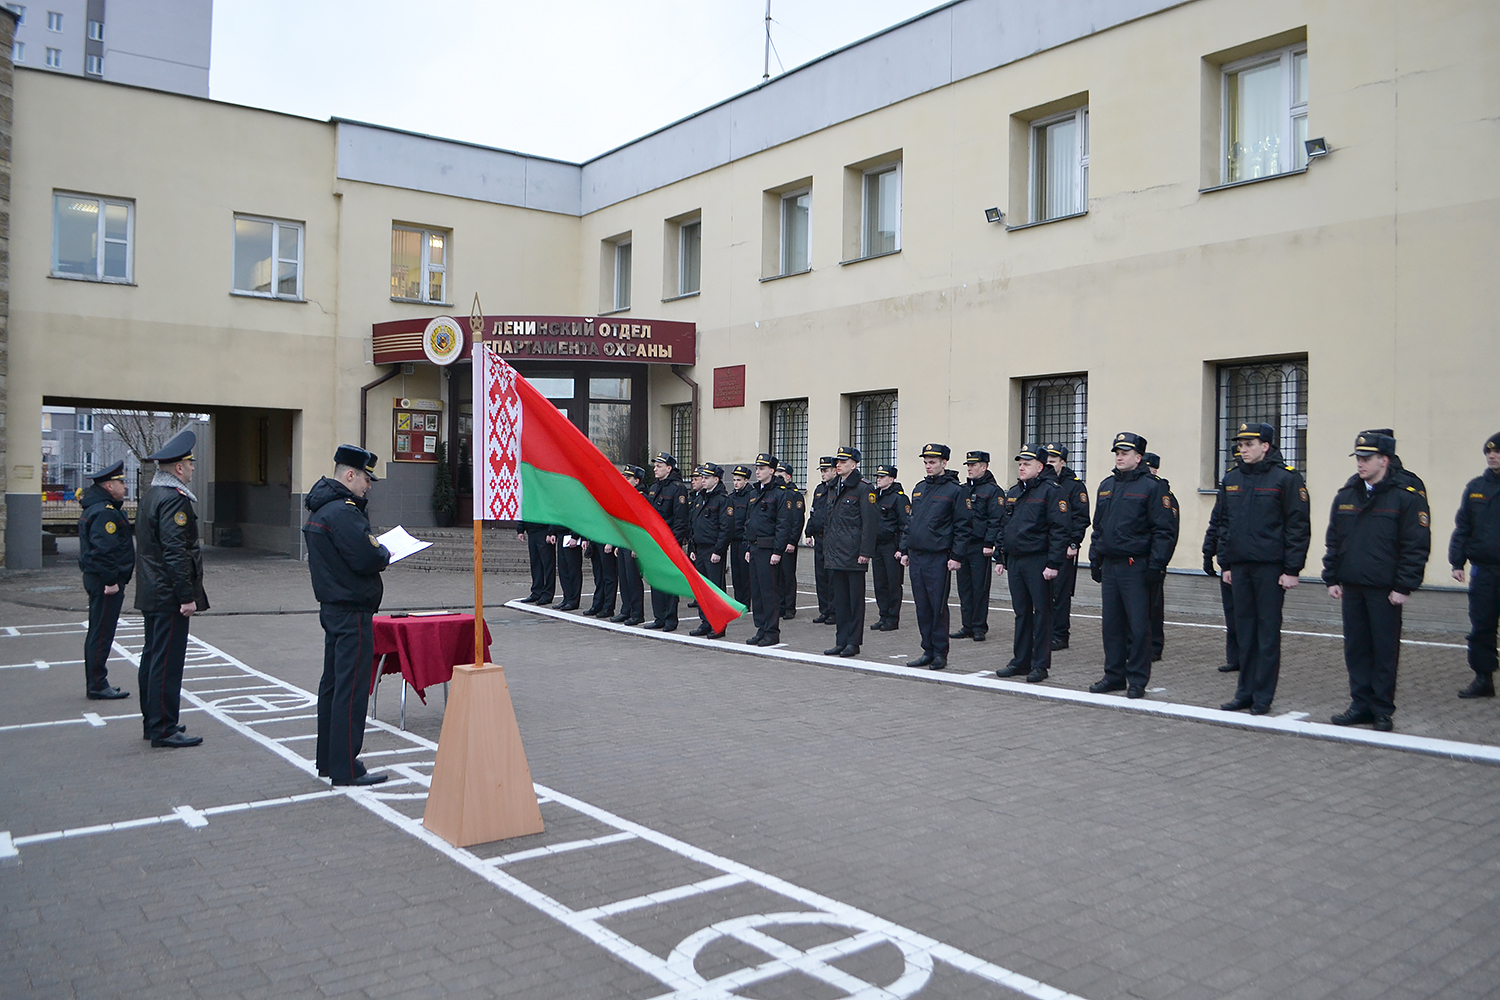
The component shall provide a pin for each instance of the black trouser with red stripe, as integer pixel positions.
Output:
(104, 616)
(160, 675)
(344, 690)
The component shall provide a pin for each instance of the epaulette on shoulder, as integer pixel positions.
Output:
(351, 503)
(1290, 468)
(1411, 489)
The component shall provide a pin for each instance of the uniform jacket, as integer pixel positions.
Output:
(106, 541)
(1380, 537)
(1176, 516)
(1215, 522)
(817, 511)
(939, 520)
(771, 520)
(1265, 517)
(169, 554)
(986, 511)
(344, 557)
(799, 511)
(851, 525)
(1076, 492)
(712, 522)
(1037, 521)
(670, 498)
(739, 506)
(1476, 527)
(895, 511)
(1134, 517)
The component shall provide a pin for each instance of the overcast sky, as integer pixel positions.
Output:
(562, 78)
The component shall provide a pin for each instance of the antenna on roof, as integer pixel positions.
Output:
(767, 74)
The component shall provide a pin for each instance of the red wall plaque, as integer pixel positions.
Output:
(535, 338)
(729, 386)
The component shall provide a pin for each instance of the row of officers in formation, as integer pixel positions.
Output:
(163, 551)
(746, 534)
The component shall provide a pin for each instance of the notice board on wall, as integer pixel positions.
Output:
(415, 430)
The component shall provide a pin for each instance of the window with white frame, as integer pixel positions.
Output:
(92, 237)
(54, 58)
(689, 257)
(419, 263)
(796, 232)
(622, 275)
(1265, 392)
(1265, 114)
(96, 31)
(86, 423)
(17, 52)
(94, 65)
(54, 21)
(267, 257)
(881, 230)
(1060, 165)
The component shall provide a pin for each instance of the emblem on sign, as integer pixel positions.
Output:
(442, 341)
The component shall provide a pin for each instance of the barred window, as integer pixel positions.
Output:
(1268, 392)
(872, 429)
(682, 436)
(789, 436)
(1057, 412)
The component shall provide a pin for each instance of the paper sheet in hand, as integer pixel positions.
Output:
(401, 544)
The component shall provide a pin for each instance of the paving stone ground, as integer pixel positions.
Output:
(1099, 851)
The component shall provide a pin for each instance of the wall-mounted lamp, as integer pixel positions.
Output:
(1316, 148)
(993, 215)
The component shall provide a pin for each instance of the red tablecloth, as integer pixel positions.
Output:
(425, 649)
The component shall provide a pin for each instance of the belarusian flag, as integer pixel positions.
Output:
(532, 464)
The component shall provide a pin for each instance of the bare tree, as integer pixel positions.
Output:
(145, 431)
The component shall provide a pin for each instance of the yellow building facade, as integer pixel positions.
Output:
(1171, 255)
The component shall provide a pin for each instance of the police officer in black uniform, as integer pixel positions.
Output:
(1476, 540)
(1032, 545)
(1226, 592)
(106, 554)
(606, 578)
(1158, 591)
(986, 505)
(786, 570)
(1135, 527)
(669, 495)
(889, 574)
(1076, 493)
(712, 525)
(934, 544)
(168, 588)
(632, 588)
(816, 515)
(1379, 537)
(739, 502)
(851, 524)
(1264, 531)
(770, 525)
(345, 560)
(542, 555)
(569, 566)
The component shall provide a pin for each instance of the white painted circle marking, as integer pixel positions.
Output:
(262, 704)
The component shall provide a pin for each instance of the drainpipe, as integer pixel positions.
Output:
(677, 370)
(364, 399)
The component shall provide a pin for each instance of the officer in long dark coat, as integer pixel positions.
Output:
(106, 555)
(542, 555)
(1264, 532)
(1476, 541)
(985, 500)
(712, 523)
(1379, 537)
(933, 545)
(739, 501)
(770, 524)
(850, 527)
(786, 570)
(669, 495)
(889, 575)
(345, 560)
(168, 588)
(1135, 528)
(816, 515)
(1076, 493)
(1031, 547)
(632, 588)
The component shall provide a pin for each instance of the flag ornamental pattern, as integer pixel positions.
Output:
(534, 465)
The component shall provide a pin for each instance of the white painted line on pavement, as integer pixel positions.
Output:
(7, 848)
(36, 664)
(191, 818)
(93, 719)
(187, 815)
(665, 896)
(563, 848)
(1456, 749)
(42, 665)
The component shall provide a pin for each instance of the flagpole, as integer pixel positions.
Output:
(476, 325)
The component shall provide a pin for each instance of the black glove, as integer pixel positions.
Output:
(1208, 565)
(1096, 570)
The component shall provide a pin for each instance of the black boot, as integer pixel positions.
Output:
(1482, 686)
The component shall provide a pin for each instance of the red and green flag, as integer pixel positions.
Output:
(532, 464)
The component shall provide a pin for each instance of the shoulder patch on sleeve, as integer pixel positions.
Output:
(110, 528)
(1166, 502)
(1422, 519)
(682, 498)
(1083, 496)
(179, 518)
(374, 541)
(871, 496)
(1302, 493)
(1062, 505)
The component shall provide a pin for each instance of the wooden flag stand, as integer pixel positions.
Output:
(481, 785)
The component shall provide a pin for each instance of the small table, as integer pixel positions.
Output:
(426, 649)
